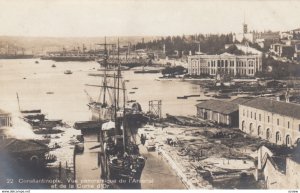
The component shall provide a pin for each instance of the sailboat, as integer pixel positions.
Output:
(102, 109)
(124, 163)
(121, 159)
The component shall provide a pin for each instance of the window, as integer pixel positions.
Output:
(251, 115)
(259, 117)
(299, 127)
(268, 119)
(277, 121)
(288, 124)
(243, 112)
(255, 116)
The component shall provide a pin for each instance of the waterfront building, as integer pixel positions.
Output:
(25, 151)
(275, 121)
(244, 65)
(5, 119)
(221, 112)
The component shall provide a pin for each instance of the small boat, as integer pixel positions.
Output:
(146, 71)
(49, 92)
(135, 88)
(53, 66)
(201, 100)
(194, 95)
(222, 96)
(68, 72)
(183, 97)
(36, 62)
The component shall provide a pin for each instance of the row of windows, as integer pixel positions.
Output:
(221, 63)
(268, 135)
(253, 116)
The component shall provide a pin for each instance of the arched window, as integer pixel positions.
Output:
(268, 134)
(243, 125)
(278, 137)
(251, 128)
(259, 131)
(288, 141)
(298, 142)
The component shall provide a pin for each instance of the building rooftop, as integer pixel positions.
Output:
(219, 106)
(278, 107)
(241, 100)
(224, 107)
(2, 112)
(17, 146)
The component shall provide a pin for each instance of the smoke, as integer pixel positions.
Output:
(21, 129)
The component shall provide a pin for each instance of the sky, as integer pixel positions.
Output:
(92, 18)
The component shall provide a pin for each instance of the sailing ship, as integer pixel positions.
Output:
(121, 159)
(103, 108)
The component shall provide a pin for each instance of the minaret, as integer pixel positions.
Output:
(199, 50)
(245, 26)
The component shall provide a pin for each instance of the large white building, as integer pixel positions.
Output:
(244, 65)
(275, 121)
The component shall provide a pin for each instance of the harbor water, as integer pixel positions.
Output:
(32, 80)
(62, 96)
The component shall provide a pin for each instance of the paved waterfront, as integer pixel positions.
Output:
(87, 169)
(157, 174)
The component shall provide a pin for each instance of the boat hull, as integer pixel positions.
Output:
(101, 114)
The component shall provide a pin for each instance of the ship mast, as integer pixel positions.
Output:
(124, 118)
(105, 66)
(118, 75)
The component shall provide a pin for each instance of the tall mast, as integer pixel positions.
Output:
(124, 118)
(115, 98)
(105, 68)
(118, 76)
(18, 102)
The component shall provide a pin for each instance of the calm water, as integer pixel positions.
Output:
(69, 100)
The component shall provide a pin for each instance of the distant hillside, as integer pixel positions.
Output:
(44, 44)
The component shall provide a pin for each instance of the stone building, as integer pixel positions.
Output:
(221, 112)
(278, 168)
(278, 122)
(244, 65)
